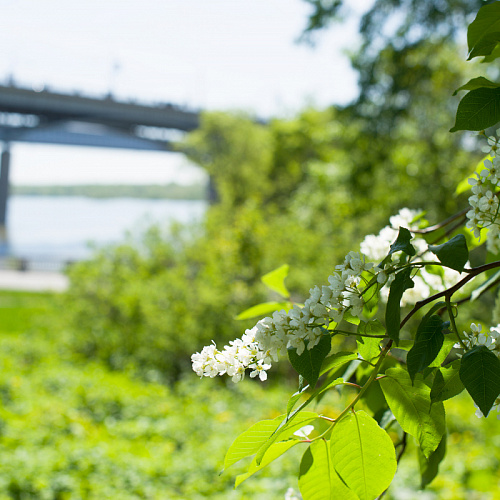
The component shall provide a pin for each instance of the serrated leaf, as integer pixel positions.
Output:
(454, 253)
(286, 428)
(372, 327)
(318, 480)
(263, 309)
(477, 83)
(404, 344)
(401, 282)
(448, 344)
(337, 360)
(363, 455)
(368, 347)
(429, 467)
(447, 383)
(275, 280)
(411, 405)
(308, 364)
(251, 440)
(428, 342)
(483, 29)
(402, 243)
(478, 110)
(274, 452)
(480, 374)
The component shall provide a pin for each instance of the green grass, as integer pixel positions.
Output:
(20, 311)
(73, 429)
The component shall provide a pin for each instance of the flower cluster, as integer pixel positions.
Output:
(239, 355)
(484, 211)
(300, 328)
(489, 339)
(376, 247)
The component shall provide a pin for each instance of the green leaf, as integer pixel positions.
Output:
(464, 185)
(285, 430)
(337, 360)
(447, 383)
(328, 384)
(318, 480)
(495, 54)
(401, 282)
(402, 243)
(263, 309)
(429, 467)
(478, 110)
(274, 452)
(448, 344)
(428, 341)
(275, 280)
(486, 46)
(454, 253)
(411, 405)
(363, 455)
(308, 364)
(404, 344)
(251, 440)
(368, 347)
(294, 398)
(372, 327)
(480, 374)
(477, 83)
(436, 307)
(483, 30)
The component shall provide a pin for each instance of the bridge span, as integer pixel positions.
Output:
(47, 117)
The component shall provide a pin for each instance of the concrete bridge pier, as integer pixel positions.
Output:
(4, 194)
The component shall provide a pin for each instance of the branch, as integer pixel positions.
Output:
(472, 273)
(440, 225)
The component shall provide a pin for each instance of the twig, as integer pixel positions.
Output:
(440, 225)
(472, 273)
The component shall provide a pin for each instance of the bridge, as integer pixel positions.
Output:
(43, 116)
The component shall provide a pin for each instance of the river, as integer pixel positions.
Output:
(62, 227)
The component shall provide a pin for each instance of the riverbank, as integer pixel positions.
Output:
(171, 191)
(33, 281)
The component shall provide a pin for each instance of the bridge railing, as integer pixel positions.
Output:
(35, 264)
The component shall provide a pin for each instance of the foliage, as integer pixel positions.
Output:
(405, 394)
(72, 429)
(480, 107)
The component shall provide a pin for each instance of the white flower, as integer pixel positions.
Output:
(292, 495)
(260, 368)
(300, 329)
(304, 432)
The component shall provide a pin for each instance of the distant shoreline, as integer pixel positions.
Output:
(170, 191)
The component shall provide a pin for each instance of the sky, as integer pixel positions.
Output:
(215, 55)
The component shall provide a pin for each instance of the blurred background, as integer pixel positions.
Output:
(157, 160)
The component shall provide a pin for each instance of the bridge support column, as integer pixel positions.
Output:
(213, 196)
(4, 189)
